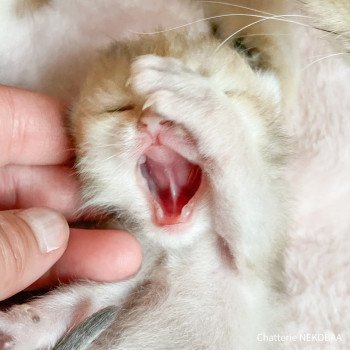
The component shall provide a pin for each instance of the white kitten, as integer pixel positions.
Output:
(181, 140)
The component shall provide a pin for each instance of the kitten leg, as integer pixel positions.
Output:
(233, 138)
(86, 332)
(40, 323)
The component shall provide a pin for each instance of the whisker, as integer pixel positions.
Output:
(319, 55)
(323, 58)
(265, 34)
(277, 17)
(247, 8)
(237, 6)
(270, 34)
(341, 36)
(337, 35)
(328, 33)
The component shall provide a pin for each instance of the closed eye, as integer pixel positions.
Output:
(120, 109)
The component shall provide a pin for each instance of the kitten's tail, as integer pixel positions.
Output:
(81, 337)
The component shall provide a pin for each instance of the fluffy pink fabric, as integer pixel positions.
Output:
(318, 260)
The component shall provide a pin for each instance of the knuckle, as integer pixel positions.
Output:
(14, 246)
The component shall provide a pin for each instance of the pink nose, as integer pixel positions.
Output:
(152, 122)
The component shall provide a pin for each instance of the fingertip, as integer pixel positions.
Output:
(117, 256)
(99, 255)
(31, 242)
(129, 258)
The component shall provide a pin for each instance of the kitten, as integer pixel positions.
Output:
(180, 138)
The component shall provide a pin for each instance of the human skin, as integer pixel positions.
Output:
(39, 195)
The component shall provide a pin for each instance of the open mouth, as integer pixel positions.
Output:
(172, 181)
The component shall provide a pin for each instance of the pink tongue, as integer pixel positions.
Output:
(172, 181)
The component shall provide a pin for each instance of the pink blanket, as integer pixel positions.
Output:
(318, 260)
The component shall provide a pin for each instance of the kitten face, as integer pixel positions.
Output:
(142, 167)
(139, 164)
(144, 170)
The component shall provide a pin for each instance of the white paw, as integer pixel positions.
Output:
(175, 92)
(20, 329)
(152, 73)
(149, 72)
(6, 341)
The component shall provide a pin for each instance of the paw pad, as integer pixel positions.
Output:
(28, 311)
(6, 342)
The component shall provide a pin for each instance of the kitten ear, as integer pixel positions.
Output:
(271, 86)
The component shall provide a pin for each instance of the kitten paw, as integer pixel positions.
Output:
(20, 329)
(176, 93)
(6, 342)
(152, 73)
(167, 79)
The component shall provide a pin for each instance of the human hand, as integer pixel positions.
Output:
(36, 245)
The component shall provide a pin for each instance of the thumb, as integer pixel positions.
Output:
(31, 241)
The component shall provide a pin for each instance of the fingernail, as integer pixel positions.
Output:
(49, 228)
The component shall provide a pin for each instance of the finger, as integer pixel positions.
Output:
(54, 187)
(32, 128)
(102, 256)
(31, 241)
